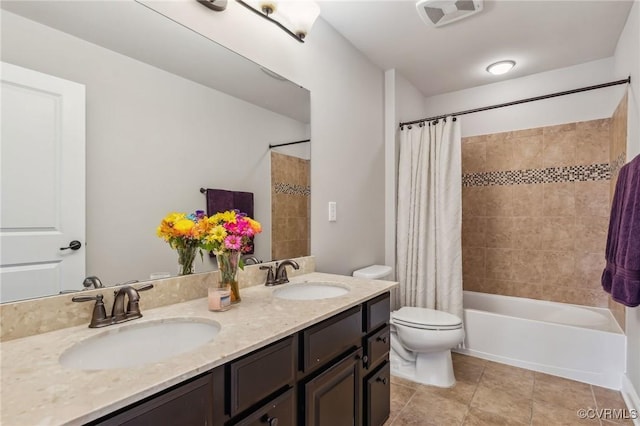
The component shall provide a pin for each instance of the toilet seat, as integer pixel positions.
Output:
(425, 319)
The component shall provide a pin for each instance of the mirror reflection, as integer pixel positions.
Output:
(166, 112)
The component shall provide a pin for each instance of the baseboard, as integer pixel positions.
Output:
(631, 398)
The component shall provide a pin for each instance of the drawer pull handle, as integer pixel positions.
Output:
(382, 339)
(271, 421)
(382, 379)
(365, 359)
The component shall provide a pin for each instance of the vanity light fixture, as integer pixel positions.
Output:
(501, 67)
(217, 5)
(295, 17)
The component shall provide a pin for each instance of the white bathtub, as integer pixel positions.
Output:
(576, 342)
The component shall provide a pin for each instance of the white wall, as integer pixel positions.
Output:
(565, 109)
(627, 62)
(347, 148)
(152, 142)
(403, 102)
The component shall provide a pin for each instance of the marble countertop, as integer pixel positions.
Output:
(37, 390)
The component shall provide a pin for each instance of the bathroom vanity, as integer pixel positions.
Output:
(274, 361)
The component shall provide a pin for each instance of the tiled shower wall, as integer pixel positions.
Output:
(290, 206)
(618, 155)
(536, 212)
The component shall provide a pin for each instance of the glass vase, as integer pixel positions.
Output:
(186, 256)
(228, 263)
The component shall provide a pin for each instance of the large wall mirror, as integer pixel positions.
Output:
(168, 112)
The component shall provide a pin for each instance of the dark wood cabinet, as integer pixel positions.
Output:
(187, 404)
(332, 373)
(332, 398)
(377, 396)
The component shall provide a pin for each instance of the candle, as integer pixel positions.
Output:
(219, 300)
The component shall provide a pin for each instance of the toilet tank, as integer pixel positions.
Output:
(373, 272)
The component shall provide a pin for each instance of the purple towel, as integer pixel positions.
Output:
(621, 277)
(220, 200)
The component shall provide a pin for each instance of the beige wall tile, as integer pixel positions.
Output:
(499, 155)
(618, 311)
(559, 268)
(527, 200)
(591, 233)
(589, 267)
(527, 152)
(473, 231)
(537, 131)
(474, 155)
(528, 266)
(498, 200)
(499, 232)
(593, 140)
(592, 198)
(473, 261)
(499, 264)
(559, 199)
(568, 127)
(559, 233)
(474, 201)
(526, 232)
(559, 149)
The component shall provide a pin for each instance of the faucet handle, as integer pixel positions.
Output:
(133, 304)
(99, 317)
(270, 277)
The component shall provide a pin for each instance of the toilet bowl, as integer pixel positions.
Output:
(421, 343)
(421, 339)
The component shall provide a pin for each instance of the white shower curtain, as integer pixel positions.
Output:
(429, 227)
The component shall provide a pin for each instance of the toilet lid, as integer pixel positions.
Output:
(424, 318)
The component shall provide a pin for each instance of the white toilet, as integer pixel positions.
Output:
(421, 339)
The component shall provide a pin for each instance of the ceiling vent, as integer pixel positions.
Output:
(443, 12)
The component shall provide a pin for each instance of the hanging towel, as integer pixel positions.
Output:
(621, 277)
(220, 200)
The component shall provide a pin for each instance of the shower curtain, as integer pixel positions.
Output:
(429, 226)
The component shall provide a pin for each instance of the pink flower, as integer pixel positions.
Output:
(233, 242)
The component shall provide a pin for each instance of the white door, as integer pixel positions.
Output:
(43, 184)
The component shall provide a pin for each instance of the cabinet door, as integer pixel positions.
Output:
(186, 405)
(333, 398)
(377, 396)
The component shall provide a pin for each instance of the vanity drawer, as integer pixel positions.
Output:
(330, 338)
(376, 312)
(280, 411)
(260, 374)
(377, 346)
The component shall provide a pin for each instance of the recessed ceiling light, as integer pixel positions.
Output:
(501, 67)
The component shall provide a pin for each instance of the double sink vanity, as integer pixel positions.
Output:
(311, 352)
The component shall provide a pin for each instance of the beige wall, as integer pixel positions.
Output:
(535, 212)
(290, 206)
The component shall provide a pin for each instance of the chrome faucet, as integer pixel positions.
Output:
(92, 281)
(99, 317)
(281, 270)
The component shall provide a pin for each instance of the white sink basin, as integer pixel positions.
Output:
(310, 291)
(138, 344)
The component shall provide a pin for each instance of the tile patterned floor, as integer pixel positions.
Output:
(488, 393)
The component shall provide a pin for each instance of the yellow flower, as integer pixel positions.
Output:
(218, 233)
(183, 226)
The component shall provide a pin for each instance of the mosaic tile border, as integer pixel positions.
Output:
(617, 164)
(586, 173)
(291, 189)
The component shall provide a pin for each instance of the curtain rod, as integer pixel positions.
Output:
(288, 143)
(521, 101)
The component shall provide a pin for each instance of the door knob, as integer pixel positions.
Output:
(73, 245)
